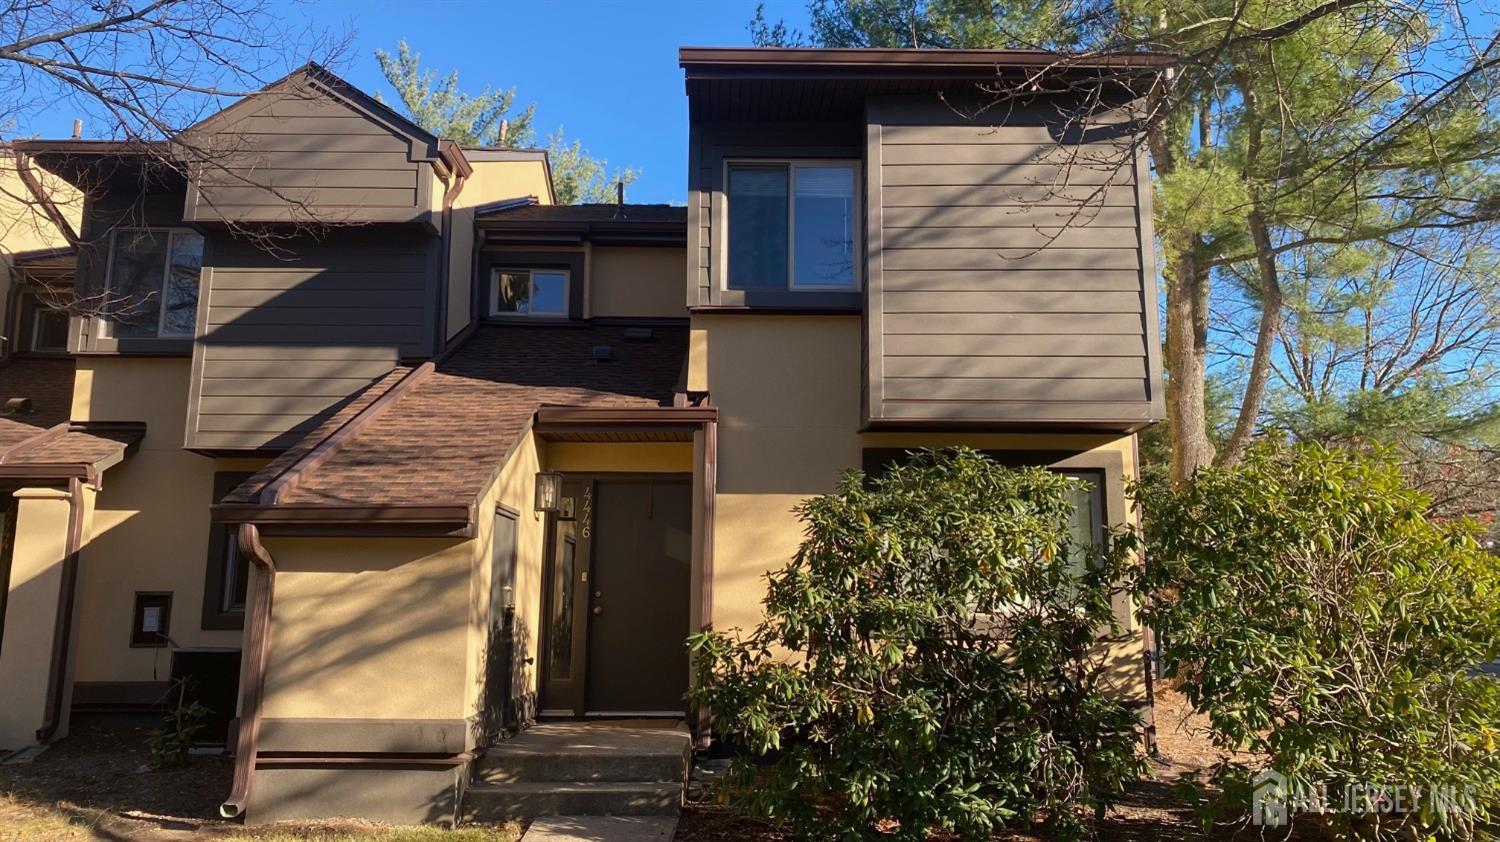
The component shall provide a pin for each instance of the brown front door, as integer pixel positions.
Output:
(638, 597)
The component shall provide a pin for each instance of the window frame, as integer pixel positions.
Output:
(856, 169)
(218, 582)
(107, 330)
(497, 269)
(162, 637)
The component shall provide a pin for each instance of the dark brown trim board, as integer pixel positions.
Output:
(898, 63)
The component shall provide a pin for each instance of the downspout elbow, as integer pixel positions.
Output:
(252, 682)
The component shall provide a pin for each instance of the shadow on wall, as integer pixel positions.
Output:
(383, 639)
(321, 319)
(507, 705)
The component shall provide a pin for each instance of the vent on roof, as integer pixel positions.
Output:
(639, 334)
(603, 353)
(17, 406)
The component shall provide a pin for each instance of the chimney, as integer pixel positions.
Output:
(77, 129)
(504, 130)
(619, 200)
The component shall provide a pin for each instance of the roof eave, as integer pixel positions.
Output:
(747, 62)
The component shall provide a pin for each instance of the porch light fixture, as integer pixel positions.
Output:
(548, 491)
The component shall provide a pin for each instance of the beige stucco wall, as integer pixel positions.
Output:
(515, 488)
(604, 458)
(635, 282)
(23, 224)
(788, 393)
(492, 181)
(368, 628)
(151, 522)
(36, 585)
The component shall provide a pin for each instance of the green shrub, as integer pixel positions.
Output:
(170, 744)
(929, 660)
(1320, 619)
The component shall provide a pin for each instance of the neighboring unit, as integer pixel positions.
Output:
(394, 458)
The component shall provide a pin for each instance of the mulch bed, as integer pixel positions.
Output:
(102, 774)
(104, 764)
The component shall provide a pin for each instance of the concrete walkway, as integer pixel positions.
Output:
(601, 829)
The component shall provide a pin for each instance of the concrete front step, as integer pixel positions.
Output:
(527, 767)
(502, 802)
(582, 769)
(587, 751)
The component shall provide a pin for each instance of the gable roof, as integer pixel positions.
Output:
(424, 145)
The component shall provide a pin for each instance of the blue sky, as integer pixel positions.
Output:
(605, 69)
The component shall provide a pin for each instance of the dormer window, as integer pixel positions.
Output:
(152, 283)
(793, 225)
(539, 293)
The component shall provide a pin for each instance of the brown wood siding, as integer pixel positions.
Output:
(285, 338)
(308, 156)
(709, 146)
(1006, 276)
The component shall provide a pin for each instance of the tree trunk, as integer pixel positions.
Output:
(1265, 337)
(1187, 357)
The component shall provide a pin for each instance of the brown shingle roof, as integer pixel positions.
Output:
(49, 385)
(444, 439)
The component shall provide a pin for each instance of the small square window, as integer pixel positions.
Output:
(151, 622)
(529, 292)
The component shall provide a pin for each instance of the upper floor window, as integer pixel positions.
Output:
(792, 225)
(529, 292)
(152, 282)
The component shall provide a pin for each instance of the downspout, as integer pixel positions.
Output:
(49, 208)
(460, 170)
(62, 630)
(252, 683)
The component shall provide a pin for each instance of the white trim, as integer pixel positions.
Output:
(497, 271)
(791, 165)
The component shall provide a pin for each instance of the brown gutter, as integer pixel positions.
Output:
(62, 629)
(562, 416)
(28, 178)
(252, 683)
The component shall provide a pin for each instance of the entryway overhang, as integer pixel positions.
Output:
(612, 424)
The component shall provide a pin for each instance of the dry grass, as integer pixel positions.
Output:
(27, 819)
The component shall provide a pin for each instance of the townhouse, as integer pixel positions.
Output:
(393, 457)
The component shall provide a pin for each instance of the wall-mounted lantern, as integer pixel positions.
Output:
(548, 491)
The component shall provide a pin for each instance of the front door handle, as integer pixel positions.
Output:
(598, 609)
